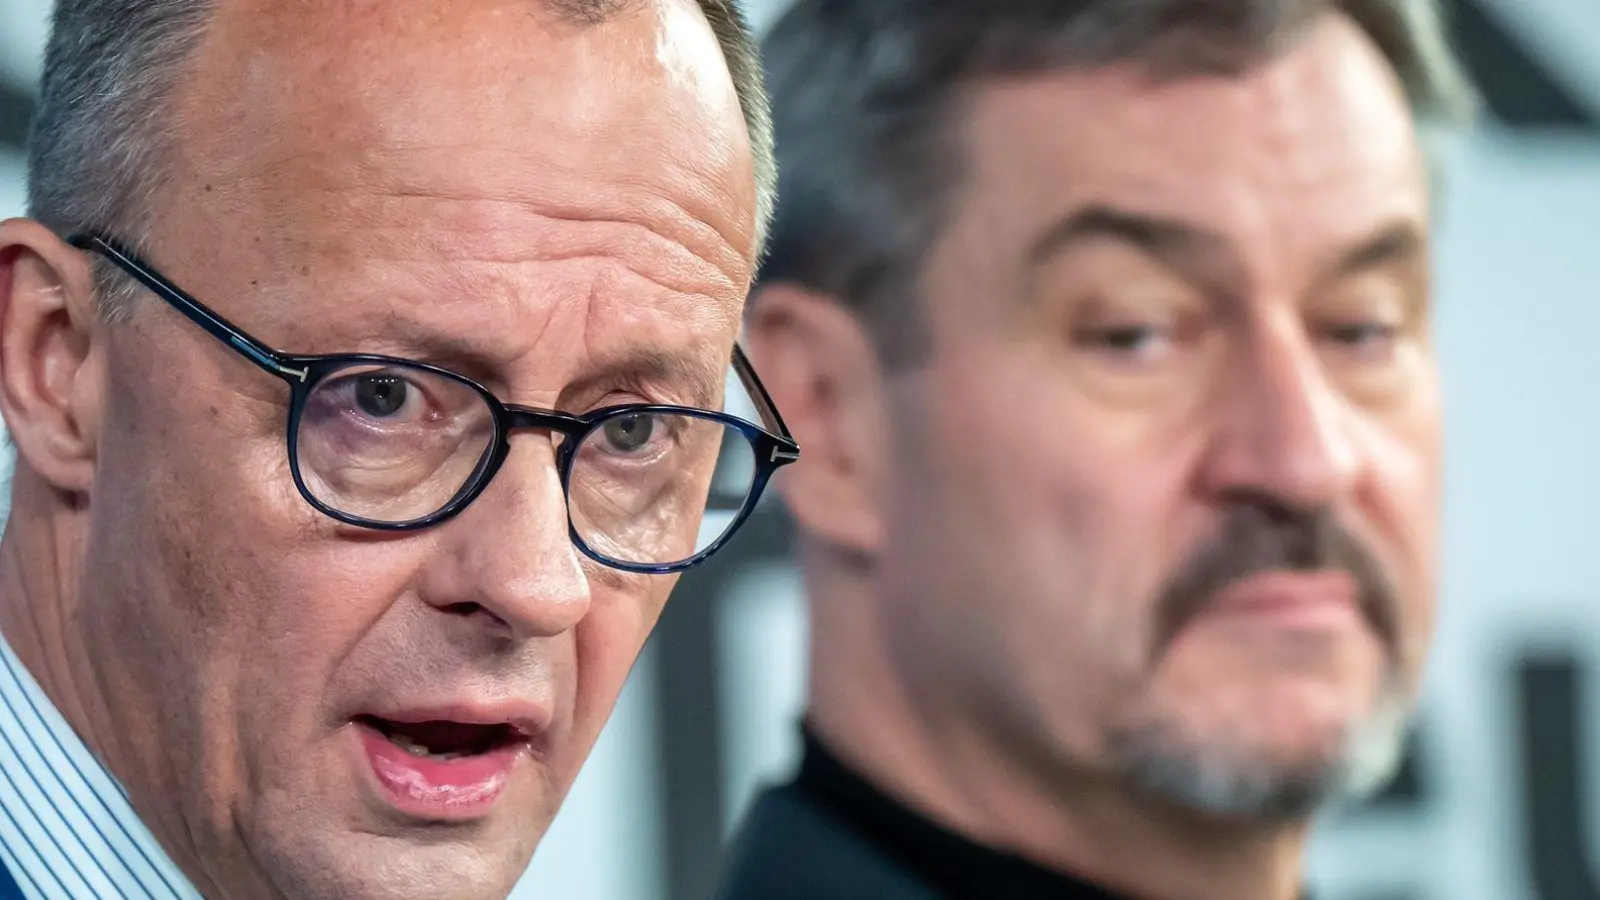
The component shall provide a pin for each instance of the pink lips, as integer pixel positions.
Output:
(431, 787)
(1318, 600)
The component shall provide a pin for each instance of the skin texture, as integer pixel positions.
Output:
(997, 541)
(551, 210)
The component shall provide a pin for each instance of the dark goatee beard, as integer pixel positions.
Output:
(1216, 774)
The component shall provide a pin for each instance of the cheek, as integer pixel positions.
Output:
(201, 544)
(191, 487)
(1090, 501)
(1033, 532)
(188, 567)
(237, 555)
(1401, 499)
(180, 510)
(1116, 528)
(608, 641)
(313, 603)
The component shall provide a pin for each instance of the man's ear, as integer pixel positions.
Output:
(48, 321)
(818, 362)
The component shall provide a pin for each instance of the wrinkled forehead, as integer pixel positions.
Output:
(1291, 159)
(491, 95)
(454, 147)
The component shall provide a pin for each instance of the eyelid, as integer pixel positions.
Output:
(1175, 322)
(1374, 326)
(1141, 299)
(1375, 291)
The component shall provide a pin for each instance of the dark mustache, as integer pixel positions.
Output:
(1264, 537)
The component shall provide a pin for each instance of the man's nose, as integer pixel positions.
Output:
(1284, 429)
(509, 553)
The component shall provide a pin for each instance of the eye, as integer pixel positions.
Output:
(1362, 335)
(1361, 340)
(629, 434)
(1131, 340)
(381, 395)
(1141, 340)
(387, 397)
(1140, 323)
(1369, 318)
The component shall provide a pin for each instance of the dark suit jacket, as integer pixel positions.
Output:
(8, 885)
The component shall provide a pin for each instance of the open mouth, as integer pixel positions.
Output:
(437, 770)
(445, 741)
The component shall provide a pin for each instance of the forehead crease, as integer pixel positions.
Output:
(421, 300)
(568, 212)
(466, 246)
(1324, 127)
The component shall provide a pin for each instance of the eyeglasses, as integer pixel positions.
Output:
(397, 445)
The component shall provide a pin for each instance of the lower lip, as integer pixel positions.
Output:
(1308, 600)
(450, 790)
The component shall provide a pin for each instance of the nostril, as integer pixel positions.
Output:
(471, 610)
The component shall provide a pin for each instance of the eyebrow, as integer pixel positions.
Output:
(1398, 242)
(1205, 255)
(656, 366)
(1198, 253)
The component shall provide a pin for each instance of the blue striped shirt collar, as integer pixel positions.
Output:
(67, 829)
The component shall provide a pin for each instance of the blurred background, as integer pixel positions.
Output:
(1496, 798)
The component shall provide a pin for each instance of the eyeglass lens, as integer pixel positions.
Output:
(393, 444)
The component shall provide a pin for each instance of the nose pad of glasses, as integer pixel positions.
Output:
(562, 428)
(527, 418)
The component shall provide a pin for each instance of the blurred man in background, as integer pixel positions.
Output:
(1106, 328)
(305, 606)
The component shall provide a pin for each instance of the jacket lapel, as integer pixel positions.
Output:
(8, 885)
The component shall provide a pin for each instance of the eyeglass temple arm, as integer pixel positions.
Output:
(193, 309)
(758, 392)
(273, 362)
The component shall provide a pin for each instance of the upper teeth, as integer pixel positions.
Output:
(416, 749)
(409, 745)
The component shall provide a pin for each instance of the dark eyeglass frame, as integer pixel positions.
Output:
(773, 449)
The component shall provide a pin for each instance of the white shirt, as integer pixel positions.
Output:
(67, 829)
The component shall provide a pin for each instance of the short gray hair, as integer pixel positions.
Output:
(100, 133)
(104, 123)
(864, 94)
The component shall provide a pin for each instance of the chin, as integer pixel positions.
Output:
(468, 864)
(1280, 758)
(424, 874)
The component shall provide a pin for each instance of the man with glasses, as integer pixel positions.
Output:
(1105, 326)
(364, 367)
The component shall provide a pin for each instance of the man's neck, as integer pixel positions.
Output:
(1068, 820)
(41, 619)
(36, 615)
